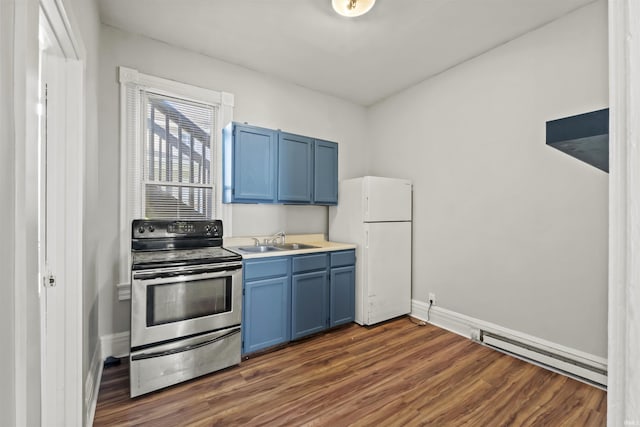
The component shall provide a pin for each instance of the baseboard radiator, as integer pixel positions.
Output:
(579, 369)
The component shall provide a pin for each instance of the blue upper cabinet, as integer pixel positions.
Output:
(295, 168)
(249, 164)
(268, 166)
(325, 190)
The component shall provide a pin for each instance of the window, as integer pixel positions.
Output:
(177, 179)
(170, 155)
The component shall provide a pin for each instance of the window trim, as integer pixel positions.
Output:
(224, 103)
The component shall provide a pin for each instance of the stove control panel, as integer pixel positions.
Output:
(181, 227)
(157, 229)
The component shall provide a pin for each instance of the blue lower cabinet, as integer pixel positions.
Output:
(343, 295)
(266, 312)
(308, 303)
(290, 297)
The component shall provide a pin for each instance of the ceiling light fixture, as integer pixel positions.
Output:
(352, 8)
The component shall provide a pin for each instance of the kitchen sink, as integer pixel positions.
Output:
(259, 248)
(276, 247)
(295, 246)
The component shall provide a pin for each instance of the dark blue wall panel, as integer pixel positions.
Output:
(584, 136)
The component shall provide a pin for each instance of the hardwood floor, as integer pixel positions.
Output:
(394, 374)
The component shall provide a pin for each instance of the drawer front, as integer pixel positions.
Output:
(309, 262)
(265, 268)
(339, 259)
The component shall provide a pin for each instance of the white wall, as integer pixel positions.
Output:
(7, 316)
(259, 100)
(507, 229)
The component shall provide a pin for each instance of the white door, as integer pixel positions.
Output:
(60, 158)
(51, 242)
(386, 199)
(387, 271)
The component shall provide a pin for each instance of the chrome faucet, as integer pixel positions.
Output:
(281, 235)
(271, 240)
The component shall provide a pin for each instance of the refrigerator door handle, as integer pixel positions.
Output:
(366, 211)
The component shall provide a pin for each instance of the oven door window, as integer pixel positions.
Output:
(174, 302)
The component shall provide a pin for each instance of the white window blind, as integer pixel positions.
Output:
(171, 155)
(177, 159)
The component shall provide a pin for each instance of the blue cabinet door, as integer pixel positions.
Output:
(325, 190)
(343, 295)
(308, 303)
(266, 313)
(295, 168)
(267, 166)
(253, 164)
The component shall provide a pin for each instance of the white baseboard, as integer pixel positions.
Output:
(92, 385)
(116, 345)
(470, 327)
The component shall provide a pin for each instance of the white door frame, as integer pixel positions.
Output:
(70, 204)
(623, 396)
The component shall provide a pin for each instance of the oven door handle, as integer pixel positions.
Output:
(188, 347)
(183, 276)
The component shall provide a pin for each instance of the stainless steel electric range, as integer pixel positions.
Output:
(186, 302)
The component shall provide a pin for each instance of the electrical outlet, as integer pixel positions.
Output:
(432, 298)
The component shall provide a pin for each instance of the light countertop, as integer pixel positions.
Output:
(234, 243)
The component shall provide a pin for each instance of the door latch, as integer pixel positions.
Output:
(50, 281)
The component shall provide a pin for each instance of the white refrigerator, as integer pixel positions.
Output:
(375, 214)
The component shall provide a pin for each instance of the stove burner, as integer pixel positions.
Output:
(174, 243)
(180, 257)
